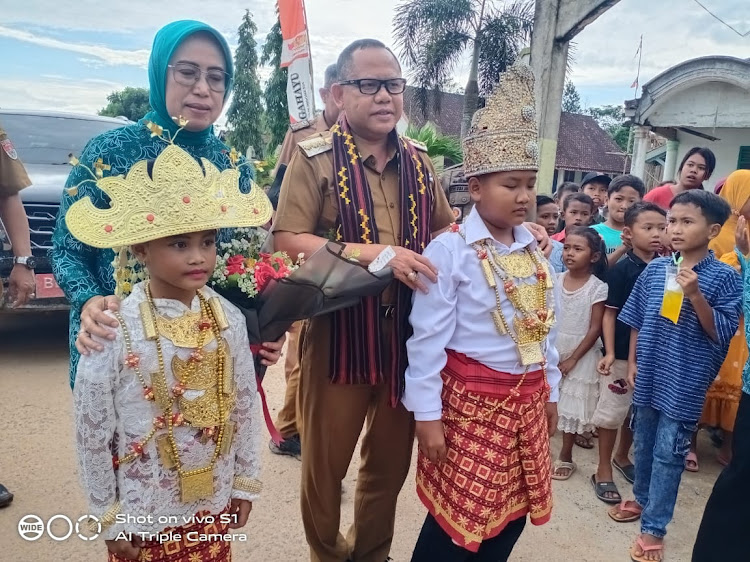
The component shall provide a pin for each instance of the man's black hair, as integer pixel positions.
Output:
(344, 64)
(571, 186)
(627, 180)
(331, 75)
(542, 200)
(581, 198)
(708, 156)
(714, 208)
(635, 211)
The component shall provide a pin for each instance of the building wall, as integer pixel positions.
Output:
(705, 105)
(726, 150)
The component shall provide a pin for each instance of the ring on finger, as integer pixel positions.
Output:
(413, 276)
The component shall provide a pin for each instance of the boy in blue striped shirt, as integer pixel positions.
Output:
(672, 364)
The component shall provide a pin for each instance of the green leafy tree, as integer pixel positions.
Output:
(131, 103)
(571, 101)
(434, 34)
(245, 116)
(277, 109)
(612, 119)
(439, 147)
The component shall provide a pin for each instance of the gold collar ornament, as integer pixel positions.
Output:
(210, 373)
(180, 195)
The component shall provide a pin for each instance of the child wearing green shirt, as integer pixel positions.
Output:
(623, 192)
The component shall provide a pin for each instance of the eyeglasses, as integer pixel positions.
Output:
(371, 86)
(189, 75)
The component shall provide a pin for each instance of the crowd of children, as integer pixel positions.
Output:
(639, 380)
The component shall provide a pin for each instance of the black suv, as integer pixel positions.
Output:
(43, 140)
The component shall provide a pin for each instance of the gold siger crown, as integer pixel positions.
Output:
(181, 195)
(503, 134)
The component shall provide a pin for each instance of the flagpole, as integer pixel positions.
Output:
(309, 48)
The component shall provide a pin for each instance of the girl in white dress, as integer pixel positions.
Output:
(582, 295)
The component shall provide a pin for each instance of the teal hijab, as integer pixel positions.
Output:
(166, 42)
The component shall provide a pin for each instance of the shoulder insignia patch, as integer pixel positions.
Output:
(317, 144)
(415, 143)
(299, 125)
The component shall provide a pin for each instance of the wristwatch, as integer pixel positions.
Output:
(28, 261)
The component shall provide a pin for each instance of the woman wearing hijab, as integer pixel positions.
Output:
(723, 397)
(190, 76)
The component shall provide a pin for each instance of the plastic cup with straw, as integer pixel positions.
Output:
(671, 303)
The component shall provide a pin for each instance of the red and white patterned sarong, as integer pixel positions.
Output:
(497, 469)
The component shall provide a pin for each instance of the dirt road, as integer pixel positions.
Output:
(37, 463)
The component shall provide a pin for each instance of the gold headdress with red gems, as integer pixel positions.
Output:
(180, 195)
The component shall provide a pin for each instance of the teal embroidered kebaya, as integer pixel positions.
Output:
(84, 272)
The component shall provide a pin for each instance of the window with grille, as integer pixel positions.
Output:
(569, 175)
(743, 162)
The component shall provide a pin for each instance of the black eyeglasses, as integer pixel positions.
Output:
(188, 75)
(371, 86)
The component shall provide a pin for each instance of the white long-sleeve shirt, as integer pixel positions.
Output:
(111, 414)
(456, 314)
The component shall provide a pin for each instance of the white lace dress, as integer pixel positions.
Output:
(579, 391)
(111, 414)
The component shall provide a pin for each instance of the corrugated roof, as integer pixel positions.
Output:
(583, 145)
(447, 121)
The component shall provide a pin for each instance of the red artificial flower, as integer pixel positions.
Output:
(236, 264)
(264, 272)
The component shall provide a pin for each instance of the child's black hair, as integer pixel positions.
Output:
(542, 200)
(581, 198)
(708, 156)
(627, 180)
(714, 208)
(635, 211)
(596, 244)
(571, 186)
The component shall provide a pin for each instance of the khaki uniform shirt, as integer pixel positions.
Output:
(13, 176)
(296, 134)
(308, 204)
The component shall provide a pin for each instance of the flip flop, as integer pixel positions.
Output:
(691, 462)
(584, 442)
(629, 506)
(645, 549)
(601, 488)
(627, 471)
(558, 465)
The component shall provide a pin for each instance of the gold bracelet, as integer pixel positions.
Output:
(249, 485)
(106, 520)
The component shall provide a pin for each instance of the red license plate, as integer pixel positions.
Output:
(47, 287)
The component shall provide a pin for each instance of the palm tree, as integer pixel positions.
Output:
(434, 34)
(439, 146)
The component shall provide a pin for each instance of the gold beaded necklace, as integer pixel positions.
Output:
(194, 484)
(535, 319)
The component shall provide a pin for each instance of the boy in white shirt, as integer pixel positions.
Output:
(482, 377)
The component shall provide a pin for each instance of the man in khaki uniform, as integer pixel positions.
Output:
(374, 172)
(13, 178)
(286, 422)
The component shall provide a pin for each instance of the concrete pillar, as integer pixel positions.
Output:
(556, 22)
(670, 164)
(640, 148)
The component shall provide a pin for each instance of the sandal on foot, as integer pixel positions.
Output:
(562, 465)
(691, 462)
(644, 548)
(627, 470)
(627, 506)
(602, 488)
(584, 442)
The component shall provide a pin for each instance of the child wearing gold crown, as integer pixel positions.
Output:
(167, 424)
(482, 377)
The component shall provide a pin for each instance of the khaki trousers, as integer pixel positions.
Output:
(333, 416)
(286, 421)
